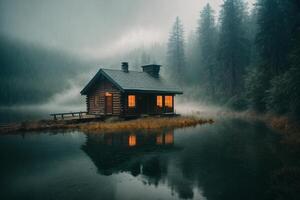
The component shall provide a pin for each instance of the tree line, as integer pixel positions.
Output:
(244, 58)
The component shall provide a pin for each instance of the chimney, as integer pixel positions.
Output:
(125, 67)
(153, 70)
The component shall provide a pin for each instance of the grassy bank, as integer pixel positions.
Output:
(289, 128)
(110, 125)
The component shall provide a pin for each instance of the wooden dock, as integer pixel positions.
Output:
(4, 125)
(69, 115)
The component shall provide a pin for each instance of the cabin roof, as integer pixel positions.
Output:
(133, 81)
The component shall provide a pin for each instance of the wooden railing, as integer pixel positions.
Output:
(57, 116)
(4, 125)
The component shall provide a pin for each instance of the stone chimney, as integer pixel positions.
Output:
(125, 67)
(152, 69)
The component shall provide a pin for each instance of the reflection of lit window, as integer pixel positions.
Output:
(131, 101)
(169, 138)
(169, 101)
(159, 102)
(159, 139)
(132, 140)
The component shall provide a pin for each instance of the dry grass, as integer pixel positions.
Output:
(112, 125)
(144, 123)
(289, 128)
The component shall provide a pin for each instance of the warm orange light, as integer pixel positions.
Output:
(107, 94)
(159, 139)
(169, 101)
(159, 102)
(169, 138)
(131, 101)
(132, 140)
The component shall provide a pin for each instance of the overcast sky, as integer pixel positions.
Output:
(97, 28)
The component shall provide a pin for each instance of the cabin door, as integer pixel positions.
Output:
(108, 104)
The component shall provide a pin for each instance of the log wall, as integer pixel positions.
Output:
(96, 99)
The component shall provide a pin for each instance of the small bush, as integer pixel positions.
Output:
(256, 84)
(278, 95)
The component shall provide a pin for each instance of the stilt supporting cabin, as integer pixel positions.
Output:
(130, 93)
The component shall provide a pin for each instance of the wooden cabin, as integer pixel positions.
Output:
(130, 93)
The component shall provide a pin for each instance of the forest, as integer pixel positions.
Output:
(242, 59)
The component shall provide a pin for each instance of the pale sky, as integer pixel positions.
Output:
(97, 28)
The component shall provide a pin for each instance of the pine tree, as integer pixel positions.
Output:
(272, 38)
(176, 54)
(232, 48)
(207, 49)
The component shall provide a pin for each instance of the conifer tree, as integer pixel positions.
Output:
(176, 53)
(207, 49)
(232, 48)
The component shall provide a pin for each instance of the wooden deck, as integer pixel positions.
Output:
(71, 115)
(85, 116)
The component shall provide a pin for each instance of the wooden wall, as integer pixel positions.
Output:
(149, 100)
(145, 103)
(96, 105)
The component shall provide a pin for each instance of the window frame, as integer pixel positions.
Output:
(161, 101)
(169, 101)
(131, 103)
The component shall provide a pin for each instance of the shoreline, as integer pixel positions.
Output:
(109, 125)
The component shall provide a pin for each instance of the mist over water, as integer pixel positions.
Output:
(49, 50)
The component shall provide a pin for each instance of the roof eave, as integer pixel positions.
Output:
(86, 88)
(154, 91)
(112, 80)
(84, 91)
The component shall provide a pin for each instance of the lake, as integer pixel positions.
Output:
(230, 159)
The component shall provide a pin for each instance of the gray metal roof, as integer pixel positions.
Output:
(134, 81)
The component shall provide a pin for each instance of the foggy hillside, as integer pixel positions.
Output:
(237, 54)
(31, 74)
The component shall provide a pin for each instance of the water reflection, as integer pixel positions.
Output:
(218, 163)
(232, 159)
(127, 151)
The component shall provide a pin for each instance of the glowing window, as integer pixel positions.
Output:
(159, 102)
(107, 94)
(132, 140)
(131, 101)
(169, 101)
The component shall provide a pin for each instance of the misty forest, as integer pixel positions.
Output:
(228, 129)
(241, 58)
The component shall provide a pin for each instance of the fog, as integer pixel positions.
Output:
(50, 49)
(97, 28)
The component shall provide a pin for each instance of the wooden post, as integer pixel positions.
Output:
(163, 103)
(173, 103)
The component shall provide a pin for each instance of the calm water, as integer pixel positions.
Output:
(231, 159)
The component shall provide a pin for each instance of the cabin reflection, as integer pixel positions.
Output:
(123, 140)
(134, 152)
